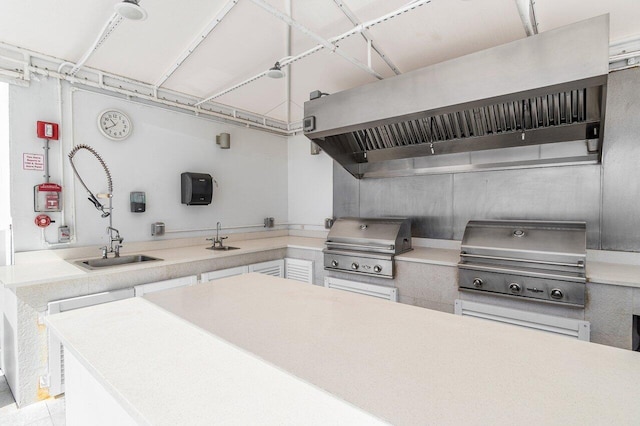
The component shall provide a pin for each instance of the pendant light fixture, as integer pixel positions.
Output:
(275, 71)
(130, 9)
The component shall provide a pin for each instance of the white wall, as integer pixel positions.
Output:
(310, 184)
(252, 175)
(5, 213)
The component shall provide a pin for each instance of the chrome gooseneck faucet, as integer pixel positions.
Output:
(114, 234)
(217, 242)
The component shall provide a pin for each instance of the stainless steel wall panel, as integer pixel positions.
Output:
(558, 193)
(562, 150)
(496, 156)
(425, 199)
(346, 193)
(586, 192)
(621, 163)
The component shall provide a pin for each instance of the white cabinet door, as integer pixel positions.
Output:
(273, 267)
(143, 289)
(223, 273)
(299, 270)
(379, 291)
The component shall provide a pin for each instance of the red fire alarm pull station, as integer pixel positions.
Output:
(47, 197)
(47, 130)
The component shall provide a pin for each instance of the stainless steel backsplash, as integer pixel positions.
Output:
(606, 196)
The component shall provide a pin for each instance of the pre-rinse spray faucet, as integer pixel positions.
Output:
(114, 234)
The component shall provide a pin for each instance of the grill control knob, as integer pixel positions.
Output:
(354, 266)
(377, 268)
(515, 288)
(477, 283)
(334, 263)
(556, 294)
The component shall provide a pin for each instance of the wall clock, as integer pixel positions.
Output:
(114, 124)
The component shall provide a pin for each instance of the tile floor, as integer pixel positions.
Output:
(44, 413)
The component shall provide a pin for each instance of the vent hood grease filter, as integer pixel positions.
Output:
(537, 101)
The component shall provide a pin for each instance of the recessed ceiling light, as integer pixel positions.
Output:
(130, 9)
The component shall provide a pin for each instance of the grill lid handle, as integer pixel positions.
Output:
(365, 246)
(579, 264)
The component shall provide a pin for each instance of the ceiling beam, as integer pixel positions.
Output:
(289, 9)
(196, 42)
(624, 53)
(18, 70)
(366, 35)
(326, 43)
(355, 30)
(528, 16)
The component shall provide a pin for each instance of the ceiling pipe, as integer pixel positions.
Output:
(528, 16)
(327, 44)
(128, 9)
(317, 48)
(196, 42)
(366, 35)
(288, 53)
(111, 25)
(368, 24)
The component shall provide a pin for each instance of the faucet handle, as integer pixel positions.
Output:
(223, 238)
(104, 251)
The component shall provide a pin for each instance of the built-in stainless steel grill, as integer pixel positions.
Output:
(540, 260)
(366, 246)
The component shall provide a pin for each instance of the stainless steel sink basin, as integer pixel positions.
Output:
(100, 263)
(223, 248)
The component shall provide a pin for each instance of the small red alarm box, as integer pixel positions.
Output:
(47, 130)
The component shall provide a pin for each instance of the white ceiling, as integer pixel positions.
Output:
(250, 40)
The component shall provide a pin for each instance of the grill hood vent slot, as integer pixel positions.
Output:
(539, 101)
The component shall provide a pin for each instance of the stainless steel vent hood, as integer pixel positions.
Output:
(533, 102)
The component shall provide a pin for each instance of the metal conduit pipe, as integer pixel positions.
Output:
(528, 16)
(178, 231)
(111, 24)
(357, 29)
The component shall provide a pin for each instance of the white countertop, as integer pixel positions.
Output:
(400, 363)
(165, 371)
(45, 266)
(614, 274)
(434, 256)
(53, 268)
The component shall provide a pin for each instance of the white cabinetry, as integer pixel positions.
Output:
(223, 273)
(143, 289)
(56, 353)
(299, 270)
(381, 292)
(295, 269)
(273, 267)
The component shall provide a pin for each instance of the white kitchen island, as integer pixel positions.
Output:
(259, 349)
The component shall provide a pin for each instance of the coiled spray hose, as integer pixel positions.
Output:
(92, 197)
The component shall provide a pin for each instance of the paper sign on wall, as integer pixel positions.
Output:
(32, 162)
